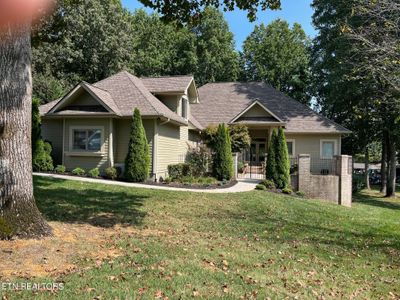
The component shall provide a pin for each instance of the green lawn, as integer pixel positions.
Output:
(249, 245)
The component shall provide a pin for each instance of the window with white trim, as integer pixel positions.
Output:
(87, 139)
(291, 147)
(327, 148)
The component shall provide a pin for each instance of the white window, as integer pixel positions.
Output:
(328, 148)
(291, 147)
(86, 139)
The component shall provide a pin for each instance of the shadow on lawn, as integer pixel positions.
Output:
(97, 207)
(374, 198)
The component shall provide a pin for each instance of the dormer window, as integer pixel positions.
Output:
(184, 108)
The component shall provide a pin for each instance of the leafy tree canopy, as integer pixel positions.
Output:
(217, 58)
(192, 10)
(279, 55)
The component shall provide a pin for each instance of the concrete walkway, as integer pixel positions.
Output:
(243, 185)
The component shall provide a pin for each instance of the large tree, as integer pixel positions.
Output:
(279, 55)
(217, 58)
(82, 40)
(19, 215)
(160, 48)
(349, 86)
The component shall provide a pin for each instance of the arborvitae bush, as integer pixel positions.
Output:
(137, 162)
(42, 160)
(270, 170)
(222, 158)
(282, 161)
(36, 124)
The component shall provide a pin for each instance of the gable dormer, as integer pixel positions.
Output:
(85, 99)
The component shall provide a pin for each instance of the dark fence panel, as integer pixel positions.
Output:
(323, 166)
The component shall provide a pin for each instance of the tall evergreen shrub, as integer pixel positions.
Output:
(222, 158)
(36, 124)
(282, 161)
(270, 168)
(41, 150)
(137, 161)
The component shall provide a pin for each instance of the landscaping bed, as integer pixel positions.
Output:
(195, 185)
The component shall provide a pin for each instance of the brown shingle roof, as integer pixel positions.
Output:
(123, 92)
(221, 102)
(129, 92)
(195, 123)
(167, 84)
(103, 96)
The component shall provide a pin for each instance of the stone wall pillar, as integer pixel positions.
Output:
(304, 174)
(344, 170)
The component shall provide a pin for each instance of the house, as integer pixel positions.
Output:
(89, 127)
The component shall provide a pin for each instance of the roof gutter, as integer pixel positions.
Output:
(165, 122)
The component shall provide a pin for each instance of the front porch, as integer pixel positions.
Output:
(252, 161)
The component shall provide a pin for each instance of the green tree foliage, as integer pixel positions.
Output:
(160, 48)
(270, 169)
(279, 55)
(239, 136)
(350, 85)
(137, 162)
(36, 124)
(42, 160)
(215, 45)
(41, 150)
(282, 161)
(192, 10)
(222, 157)
(82, 40)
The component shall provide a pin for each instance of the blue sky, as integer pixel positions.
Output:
(299, 11)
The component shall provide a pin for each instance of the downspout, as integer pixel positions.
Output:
(154, 150)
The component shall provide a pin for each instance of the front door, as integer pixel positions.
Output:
(257, 152)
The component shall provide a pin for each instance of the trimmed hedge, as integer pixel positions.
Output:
(178, 171)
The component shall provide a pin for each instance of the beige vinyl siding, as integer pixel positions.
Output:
(122, 129)
(87, 162)
(52, 131)
(256, 111)
(311, 144)
(172, 145)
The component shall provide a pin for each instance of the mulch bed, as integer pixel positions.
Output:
(194, 186)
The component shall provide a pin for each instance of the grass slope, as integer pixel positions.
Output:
(249, 245)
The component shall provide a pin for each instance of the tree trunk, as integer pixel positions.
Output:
(383, 163)
(391, 179)
(366, 168)
(19, 215)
